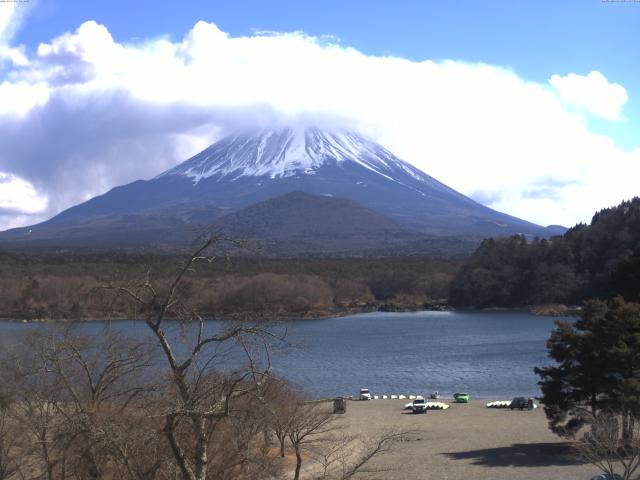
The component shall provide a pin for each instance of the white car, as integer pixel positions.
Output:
(364, 394)
(419, 405)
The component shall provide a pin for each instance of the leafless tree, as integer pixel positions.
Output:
(309, 424)
(197, 401)
(81, 402)
(184, 402)
(36, 413)
(12, 441)
(34, 398)
(369, 449)
(100, 381)
(335, 454)
(612, 445)
(280, 403)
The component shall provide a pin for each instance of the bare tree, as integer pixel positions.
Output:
(309, 424)
(186, 402)
(369, 449)
(100, 382)
(346, 456)
(198, 402)
(333, 455)
(336, 455)
(36, 413)
(80, 402)
(12, 441)
(33, 407)
(280, 402)
(612, 445)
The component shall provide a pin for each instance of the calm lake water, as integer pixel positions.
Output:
(489, 355)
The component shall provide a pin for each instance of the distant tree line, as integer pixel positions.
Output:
(67, 286)
(600, 260)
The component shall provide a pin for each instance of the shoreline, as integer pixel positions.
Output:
(259, 316)
(440, 306)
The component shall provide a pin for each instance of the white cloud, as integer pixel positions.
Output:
(7, 15)
(89, 113)
(11, 16)
(21, 97)
(14, 55)
(592, 92)
(19, 195)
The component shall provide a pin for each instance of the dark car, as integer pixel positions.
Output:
(521, 403)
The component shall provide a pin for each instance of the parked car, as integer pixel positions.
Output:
(606, 476)
(339, 405)
(461, 397)
(521, 403)
(364, 394)
(419, 405)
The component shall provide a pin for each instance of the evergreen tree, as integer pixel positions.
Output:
(598, 367)
(600, 260)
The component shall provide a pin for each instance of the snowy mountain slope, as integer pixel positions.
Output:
(288, 152)
(253, 166)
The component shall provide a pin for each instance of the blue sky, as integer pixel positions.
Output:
(536, 38)
(555, 100)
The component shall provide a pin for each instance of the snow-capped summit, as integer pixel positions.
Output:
(286, 152)
(232, 184)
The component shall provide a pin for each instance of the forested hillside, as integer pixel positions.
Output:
(65, 285)
(599, 260)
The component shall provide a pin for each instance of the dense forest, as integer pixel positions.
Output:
(71, 285)
(600, 260)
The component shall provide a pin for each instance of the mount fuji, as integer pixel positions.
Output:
(333, 191)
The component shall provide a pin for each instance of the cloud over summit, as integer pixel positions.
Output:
(87, 113)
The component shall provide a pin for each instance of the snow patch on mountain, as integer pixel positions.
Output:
(288, 151)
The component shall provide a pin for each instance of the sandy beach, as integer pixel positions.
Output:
(467, 441)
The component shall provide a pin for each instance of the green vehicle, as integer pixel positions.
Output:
(461, 397)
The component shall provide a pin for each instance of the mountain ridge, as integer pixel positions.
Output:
(249, 167)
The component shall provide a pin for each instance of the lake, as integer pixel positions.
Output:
(488, 354)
